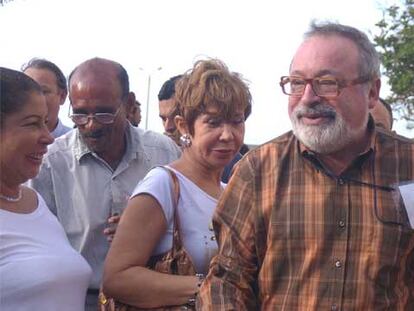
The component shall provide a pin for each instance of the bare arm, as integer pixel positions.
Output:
(125, 276)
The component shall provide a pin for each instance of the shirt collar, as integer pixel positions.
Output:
(59, 130)
(133, 145)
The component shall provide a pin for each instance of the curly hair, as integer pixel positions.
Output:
(210, 84)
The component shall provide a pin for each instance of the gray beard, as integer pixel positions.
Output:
(328, 137)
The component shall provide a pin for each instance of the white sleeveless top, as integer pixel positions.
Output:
(39, 269)
(195, 211)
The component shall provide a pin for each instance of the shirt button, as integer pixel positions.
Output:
(334, 307)
(341, 223)
(338, 264)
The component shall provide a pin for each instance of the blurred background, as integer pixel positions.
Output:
(157, 39)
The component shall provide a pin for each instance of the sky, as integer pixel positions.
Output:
(256, 38)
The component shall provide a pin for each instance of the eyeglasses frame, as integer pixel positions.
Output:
(93, 116)
(340, 83)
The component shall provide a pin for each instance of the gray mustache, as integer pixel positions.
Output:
(317, 110)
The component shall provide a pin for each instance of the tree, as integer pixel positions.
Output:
(2, 2)
(395, 43)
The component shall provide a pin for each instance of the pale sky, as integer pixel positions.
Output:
(255, 38)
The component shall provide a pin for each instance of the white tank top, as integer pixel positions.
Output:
(39, 269)
(195, 211)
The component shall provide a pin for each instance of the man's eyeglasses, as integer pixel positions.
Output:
(324, 87)
(102, 117)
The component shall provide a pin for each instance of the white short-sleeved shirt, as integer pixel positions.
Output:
(82, 190)
(39, 269)
(195, 211)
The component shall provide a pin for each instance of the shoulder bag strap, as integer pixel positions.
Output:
(177, 243)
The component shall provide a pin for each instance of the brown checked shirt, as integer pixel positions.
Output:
(292, 236)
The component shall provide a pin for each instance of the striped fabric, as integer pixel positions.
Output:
(292, 236)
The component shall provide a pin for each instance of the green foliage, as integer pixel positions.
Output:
(395, 43)
(2, 2)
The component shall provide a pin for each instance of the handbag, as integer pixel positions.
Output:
(175, 261)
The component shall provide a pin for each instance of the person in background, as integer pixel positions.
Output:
(316, 219)
(88, 175)
(213, 104)
(134, 114)
(382, 114)
(53, 83)
(39, 270)
(168, 110)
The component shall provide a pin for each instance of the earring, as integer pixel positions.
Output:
(185, 140)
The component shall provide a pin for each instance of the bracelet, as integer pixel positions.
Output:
(200, 278)
(192, 300)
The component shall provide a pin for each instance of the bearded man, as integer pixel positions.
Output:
(319, 218)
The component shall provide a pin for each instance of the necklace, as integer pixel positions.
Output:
(12, 199)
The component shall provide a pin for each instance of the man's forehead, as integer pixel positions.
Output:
(41, 75)
(91, 74)
(93, 83)
(166, 106)
(99, 70)
(329, 53)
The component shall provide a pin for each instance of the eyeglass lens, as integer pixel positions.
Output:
(325, 87)
(104, 118)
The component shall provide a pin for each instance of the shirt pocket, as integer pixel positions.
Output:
(390, 208)
(393, 233)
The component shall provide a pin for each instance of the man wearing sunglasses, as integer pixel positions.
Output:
(88, 175)
(321, 217)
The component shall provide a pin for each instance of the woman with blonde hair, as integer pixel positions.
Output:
(214, 104)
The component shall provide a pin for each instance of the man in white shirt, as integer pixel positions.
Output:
(53, 83)
(88, 175)
(168, 109)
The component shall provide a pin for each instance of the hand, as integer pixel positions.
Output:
(111, 229)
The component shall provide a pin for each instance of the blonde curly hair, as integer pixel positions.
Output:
(210, 84)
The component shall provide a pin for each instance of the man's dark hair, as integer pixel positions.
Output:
(122, 75)
(389, 109)
(40, 63)
(167, 90)
(15, 90)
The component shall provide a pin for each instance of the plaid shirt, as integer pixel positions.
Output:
(292, 236)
